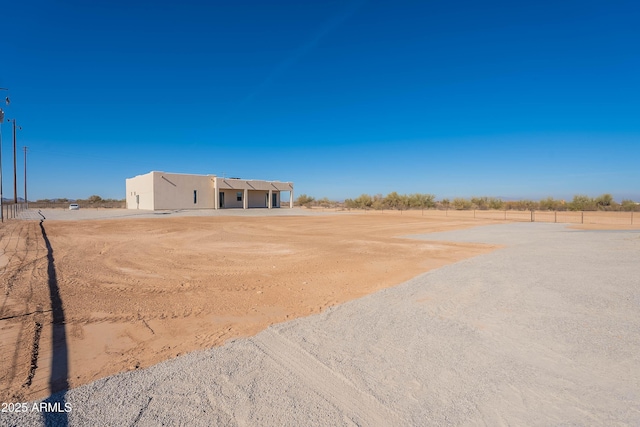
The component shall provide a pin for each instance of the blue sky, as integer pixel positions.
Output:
(454, 98)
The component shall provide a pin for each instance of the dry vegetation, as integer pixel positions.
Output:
(395, 201)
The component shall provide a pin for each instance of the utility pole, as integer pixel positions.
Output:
(25, 176)
(7, 101)
(15, 166)
(1, 207)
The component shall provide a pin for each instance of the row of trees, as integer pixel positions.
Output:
(392, 200)
(397, 201)
(94, 201)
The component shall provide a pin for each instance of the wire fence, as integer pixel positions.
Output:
(12, 210)
(569, 217)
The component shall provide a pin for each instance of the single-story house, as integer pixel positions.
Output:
(161, 190)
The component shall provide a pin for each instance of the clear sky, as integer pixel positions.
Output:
(456, 98)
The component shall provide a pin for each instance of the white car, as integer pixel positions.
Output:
(74, 207)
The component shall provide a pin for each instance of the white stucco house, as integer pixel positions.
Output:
(162, 190)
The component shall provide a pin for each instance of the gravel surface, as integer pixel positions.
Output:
(102, 213)
(544, 331)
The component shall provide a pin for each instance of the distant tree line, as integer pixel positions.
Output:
(395, 201)
(92, 201)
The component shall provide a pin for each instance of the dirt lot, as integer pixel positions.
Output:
(86, 299)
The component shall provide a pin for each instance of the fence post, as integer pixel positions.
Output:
(631, 217)
(531, 215)
(582, 218)
(555, 216)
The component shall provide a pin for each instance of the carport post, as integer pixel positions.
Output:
(216, 195)
(270, 195)
(245, 199)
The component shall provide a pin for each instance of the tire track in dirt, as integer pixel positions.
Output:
(14, 344)
(362, 408)
(22, 313)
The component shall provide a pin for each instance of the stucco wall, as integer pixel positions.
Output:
(142, 187)
(257, 199)
(176, 191)
(230, 198)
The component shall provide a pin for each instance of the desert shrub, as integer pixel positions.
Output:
(549, 204)
(521, 205)
(393, 201)
(378, 202)
(421, 201)
(484, 203)
(629, 206)
(605, 202)
(461, 204)
(480, 203)
(304, 200)
(364, 201)
(445, 203)
(495, 203)
(324, 202)
(581, 202)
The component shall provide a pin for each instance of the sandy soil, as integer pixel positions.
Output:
(86, 299)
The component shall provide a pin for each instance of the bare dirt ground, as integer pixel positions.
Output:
(82, 300)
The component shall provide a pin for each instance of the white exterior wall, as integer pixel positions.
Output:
(257, 199)
(140, 192)
(164, 191)
(175, 191)
(231, 198)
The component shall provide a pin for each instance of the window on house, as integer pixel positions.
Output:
(239, 196)
(195, 196)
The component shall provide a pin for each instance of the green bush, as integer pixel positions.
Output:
(629, 206)
(549, 204)
(582, 202)
(304, 200)
(461, 204)
(421, 201)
